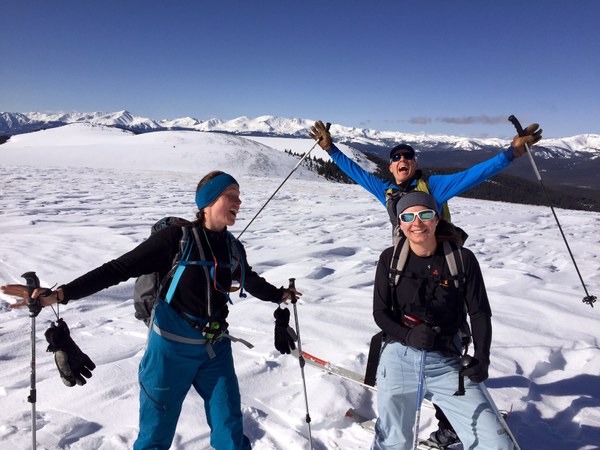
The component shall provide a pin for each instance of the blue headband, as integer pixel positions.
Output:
(213, 188)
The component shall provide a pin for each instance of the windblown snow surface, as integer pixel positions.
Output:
(75, 197)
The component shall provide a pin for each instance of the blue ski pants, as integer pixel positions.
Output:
(169, 368)
(471, 415)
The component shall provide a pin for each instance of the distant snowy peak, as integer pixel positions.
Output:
(362, 138)
(183, 123)
(268, 125)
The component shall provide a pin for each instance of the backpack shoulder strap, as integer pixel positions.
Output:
(202, 256)
(399, 257)
(454, 257)
(185, 248)
(237, 255)
(453, 253)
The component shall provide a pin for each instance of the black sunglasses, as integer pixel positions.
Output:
(398, 156)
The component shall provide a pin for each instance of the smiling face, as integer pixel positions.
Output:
(403, 169)
(420, 234)
(223, 211)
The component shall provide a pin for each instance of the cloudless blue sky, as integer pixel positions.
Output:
(439, 66)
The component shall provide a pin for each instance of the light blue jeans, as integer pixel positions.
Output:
(471, 415)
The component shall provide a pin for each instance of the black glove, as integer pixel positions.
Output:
(284, 334)
(421, 337)
(320, 133)
(477, 370)
(72, 363)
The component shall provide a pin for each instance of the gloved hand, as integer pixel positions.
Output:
(284, 334)
(72, 363)
(532, 136)
(421, 337)
(477, 370)
(320, 133)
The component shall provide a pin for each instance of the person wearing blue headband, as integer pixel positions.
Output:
(188, 343)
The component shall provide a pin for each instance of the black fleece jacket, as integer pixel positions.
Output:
(438, 302)
(156, 254)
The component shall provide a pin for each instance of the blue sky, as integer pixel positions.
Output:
(439, 67)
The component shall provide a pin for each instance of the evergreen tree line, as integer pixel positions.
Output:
(327, 169)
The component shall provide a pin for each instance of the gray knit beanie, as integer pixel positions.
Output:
(416, 198)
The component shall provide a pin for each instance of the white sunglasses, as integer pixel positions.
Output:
(424, 215)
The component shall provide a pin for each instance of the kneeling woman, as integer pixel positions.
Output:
(420, 316)
(187, 345)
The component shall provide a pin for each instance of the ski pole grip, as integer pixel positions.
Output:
(517, 125)
(292, 285)
(32, 282)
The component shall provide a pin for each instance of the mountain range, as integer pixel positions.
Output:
(570, 163)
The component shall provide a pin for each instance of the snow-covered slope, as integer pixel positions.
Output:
(75, 197)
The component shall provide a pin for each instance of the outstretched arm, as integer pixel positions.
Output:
(359, 175)
(444, 187)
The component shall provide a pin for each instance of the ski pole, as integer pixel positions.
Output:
(419, 400)
(34, 309)
(499, 416)
(283, 182)
(301, 359)
(589, 299)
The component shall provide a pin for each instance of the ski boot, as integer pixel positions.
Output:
(441, 439)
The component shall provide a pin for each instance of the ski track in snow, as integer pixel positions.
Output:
(62, 222)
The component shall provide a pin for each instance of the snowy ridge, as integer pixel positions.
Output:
(16, 123)
(86, 145)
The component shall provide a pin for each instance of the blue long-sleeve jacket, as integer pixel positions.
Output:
(441, 187)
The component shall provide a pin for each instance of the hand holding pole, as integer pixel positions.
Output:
(589, 299)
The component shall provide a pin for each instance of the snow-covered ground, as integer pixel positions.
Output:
(74, 197)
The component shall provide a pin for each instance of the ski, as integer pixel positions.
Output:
(339, 371)
(366, 423)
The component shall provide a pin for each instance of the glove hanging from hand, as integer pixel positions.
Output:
(73, 365)
(284, 334)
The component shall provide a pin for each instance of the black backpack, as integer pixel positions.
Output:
(145, 291)
(147, 287)
(454, 259)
